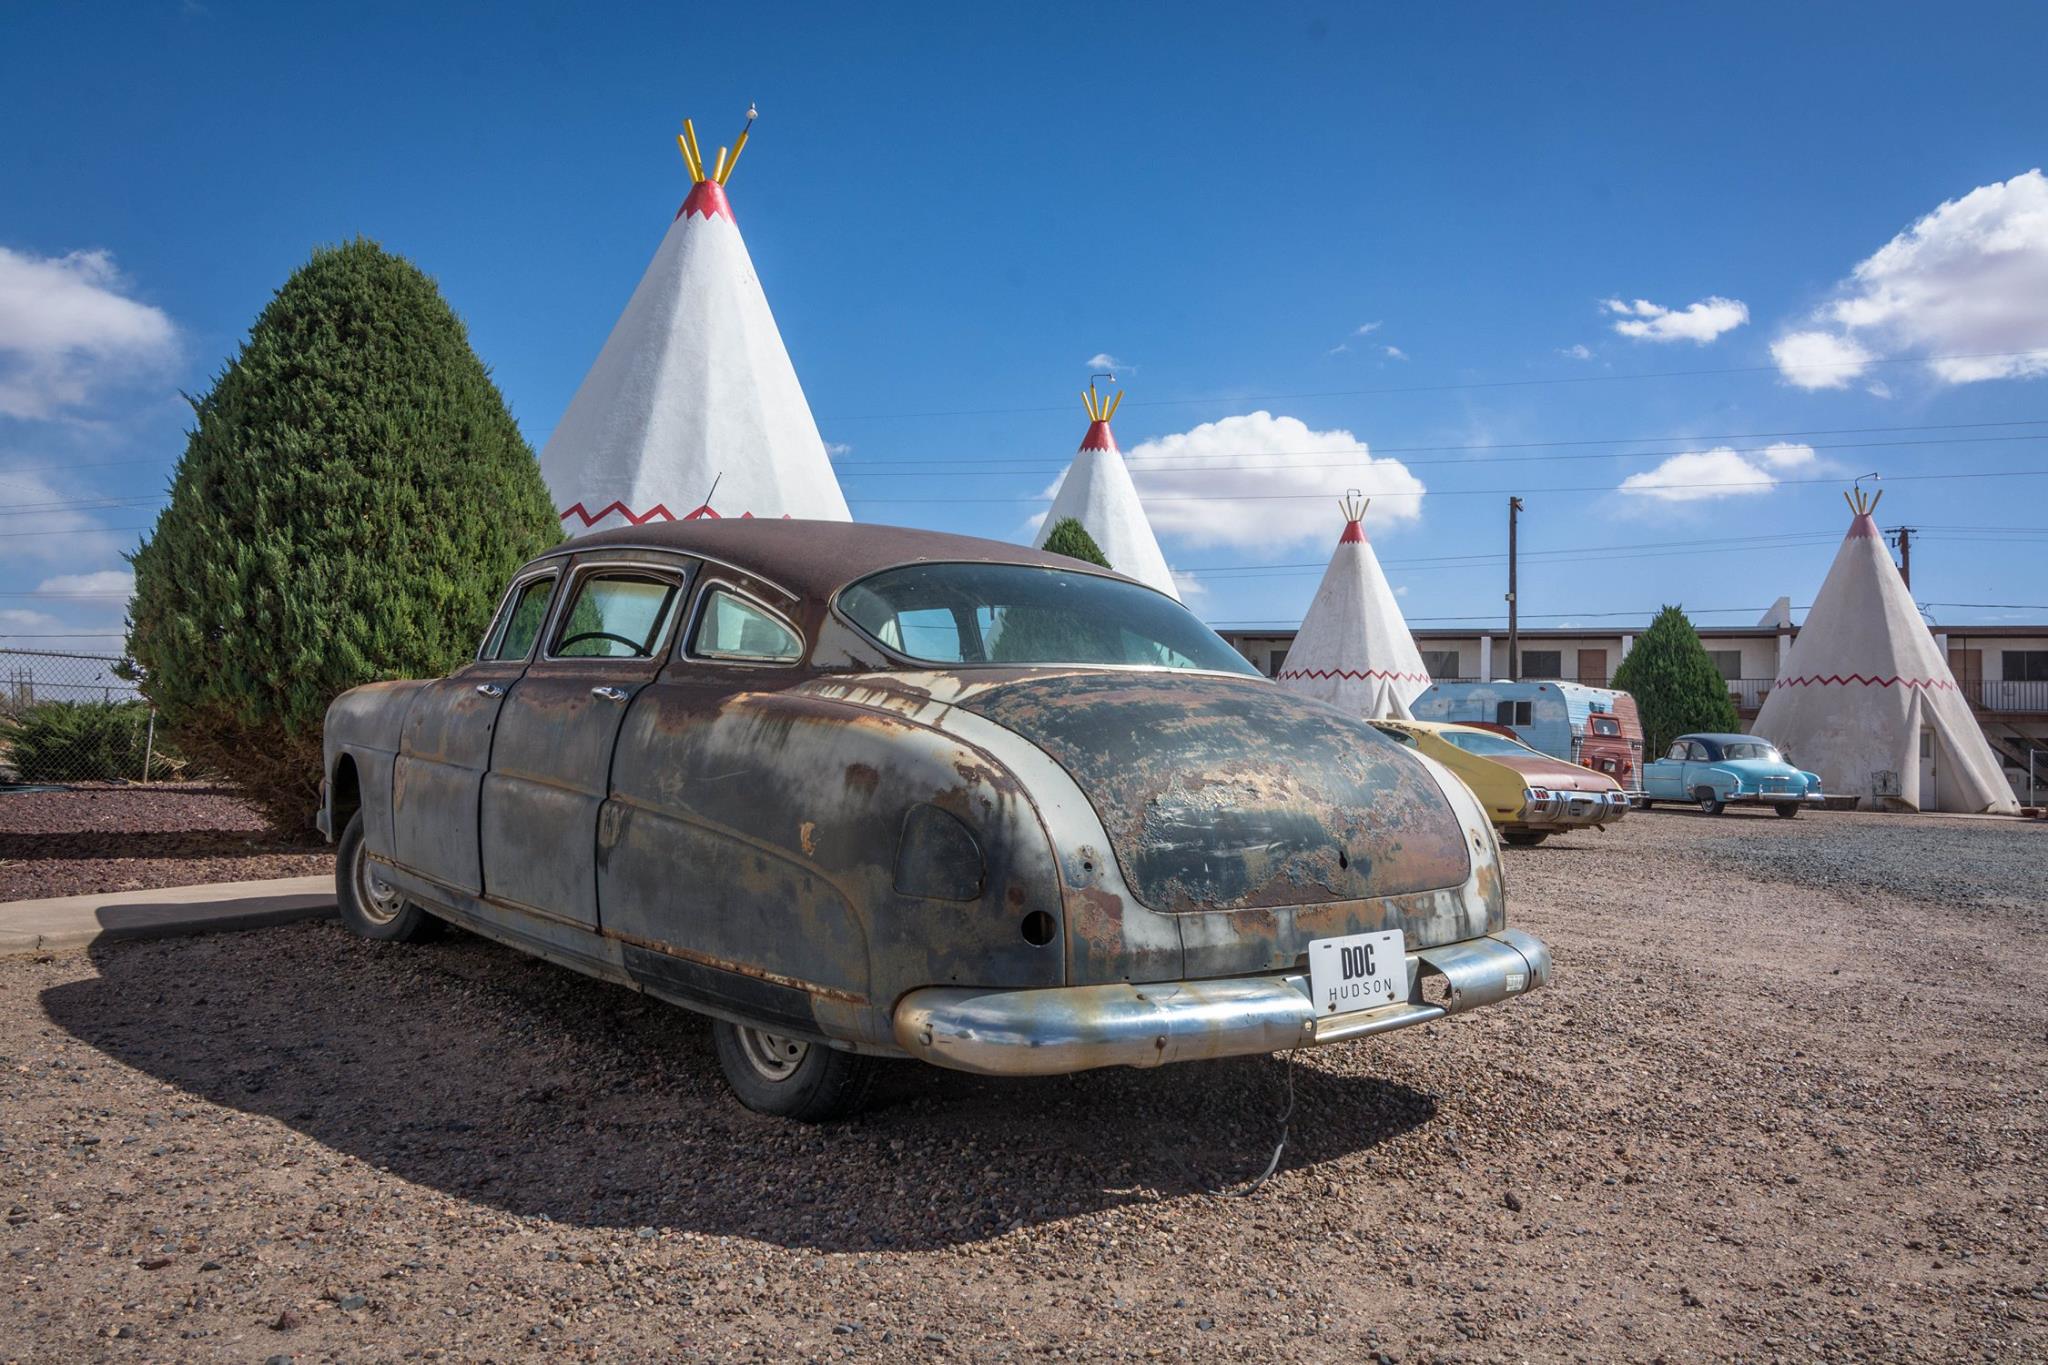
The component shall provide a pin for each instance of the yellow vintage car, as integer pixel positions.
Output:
(1529, 796)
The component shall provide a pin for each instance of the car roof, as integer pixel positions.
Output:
(814, 559)
(1724, 739)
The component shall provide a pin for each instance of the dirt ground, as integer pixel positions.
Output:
(1784, 1101)
(94, 839)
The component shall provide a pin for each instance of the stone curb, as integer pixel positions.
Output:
(64, 923)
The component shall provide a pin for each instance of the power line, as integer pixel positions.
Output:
(1449, 388)
(1768, 482)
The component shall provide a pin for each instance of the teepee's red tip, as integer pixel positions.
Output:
(1354, 534)
(707, 200)
(1864, 525)
(1099, 437)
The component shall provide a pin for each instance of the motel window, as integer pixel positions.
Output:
(2025, 665)
(1542, 663)
(1441, 663)
(1729, 661)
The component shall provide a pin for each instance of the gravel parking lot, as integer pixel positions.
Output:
(1784, 1101)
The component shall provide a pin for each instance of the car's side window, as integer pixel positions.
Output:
(617, 614)
(1678, 752)
(520, 622)
(1697, 752)
(730, 627)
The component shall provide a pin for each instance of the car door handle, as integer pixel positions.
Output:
(489, 690)
(608, 693)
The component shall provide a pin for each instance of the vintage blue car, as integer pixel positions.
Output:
(1715, 771)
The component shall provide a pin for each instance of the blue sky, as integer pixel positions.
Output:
(953, 209)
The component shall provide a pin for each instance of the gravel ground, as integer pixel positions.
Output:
(1770, 1110)
(137, 838)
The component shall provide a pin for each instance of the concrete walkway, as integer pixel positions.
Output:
(64, 922)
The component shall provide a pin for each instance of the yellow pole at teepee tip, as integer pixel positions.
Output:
(691, 153)
(1110, 414)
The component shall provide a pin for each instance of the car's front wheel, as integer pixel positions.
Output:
(1710, 804)
(790, 1078)
(1787, 809)
(370, 906)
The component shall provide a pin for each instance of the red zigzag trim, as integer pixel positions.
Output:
(1353, 674)
(658, 512)
(1838, 680)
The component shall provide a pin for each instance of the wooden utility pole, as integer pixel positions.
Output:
(1906, 555)
(1514, 627)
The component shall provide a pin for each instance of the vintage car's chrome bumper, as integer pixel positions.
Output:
(1056, 1030)
(1756, 798)
(1548, 808)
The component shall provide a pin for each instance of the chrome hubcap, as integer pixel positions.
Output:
(773, 1057)
(379, 900)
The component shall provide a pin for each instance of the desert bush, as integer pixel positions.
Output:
(82, 741)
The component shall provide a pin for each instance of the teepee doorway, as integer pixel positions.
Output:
(1930, 763)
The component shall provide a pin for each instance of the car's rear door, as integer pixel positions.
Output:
(551, 763)
(445, 748)
(1665, 778)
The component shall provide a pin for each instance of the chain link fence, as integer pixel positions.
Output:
(74, 718)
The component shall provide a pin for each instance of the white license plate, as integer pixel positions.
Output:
(1357, 972)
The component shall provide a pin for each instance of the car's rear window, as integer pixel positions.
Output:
(1480, 742)
(1020, 614)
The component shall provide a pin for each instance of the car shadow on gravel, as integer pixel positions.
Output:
(492, 1077)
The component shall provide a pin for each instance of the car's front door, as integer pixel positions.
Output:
(1698, 758)
(445, 748)
(551, 763)
(1665, 779)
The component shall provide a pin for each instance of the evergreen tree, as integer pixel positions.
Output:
(351, 500)
(1676, 686)
(1070, 538)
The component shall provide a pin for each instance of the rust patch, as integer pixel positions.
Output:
(807, 835)
(1226, 793)
(863, 778)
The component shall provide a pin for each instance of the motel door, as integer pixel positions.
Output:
(1593, 667)
(1968, 666)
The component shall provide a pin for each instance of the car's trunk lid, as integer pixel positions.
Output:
(1232, 794)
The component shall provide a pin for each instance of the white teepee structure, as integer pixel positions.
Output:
(1866, 700)
(1354, 648)
(1097, 491)
(692, 408)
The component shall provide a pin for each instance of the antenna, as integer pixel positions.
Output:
(739, 144)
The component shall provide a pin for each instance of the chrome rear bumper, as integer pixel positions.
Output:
(1062, 1029)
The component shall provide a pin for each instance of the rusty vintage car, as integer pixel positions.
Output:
(860, 792)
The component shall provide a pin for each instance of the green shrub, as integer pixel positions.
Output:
(1676, 686)
(350, 501)
(1070, 538)
(82, 741)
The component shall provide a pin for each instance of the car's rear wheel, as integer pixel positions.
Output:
(1525, 838)
(370, 906)
(1710, 804)
(790, 1078)
(1787, 809)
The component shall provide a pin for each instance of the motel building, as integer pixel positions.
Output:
(2002, 670)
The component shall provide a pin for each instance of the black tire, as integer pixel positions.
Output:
(1524, 838)
(369, 909)
(789, 1078)
(1786, 809)
(1709, 803)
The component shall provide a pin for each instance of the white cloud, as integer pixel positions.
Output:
(1697, 322)
(1237, 464)
(1969, 282)
(1103, 360)
(1394, 352)
(834, 449)
(1576, 353)
(1724, 472)
(1188, 585)
(1789, 455)
(1339, 349)
(1366, 329)
(1401, 591)
(18, 618)
(68, 329)
(1819, 360)
(121, 581)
